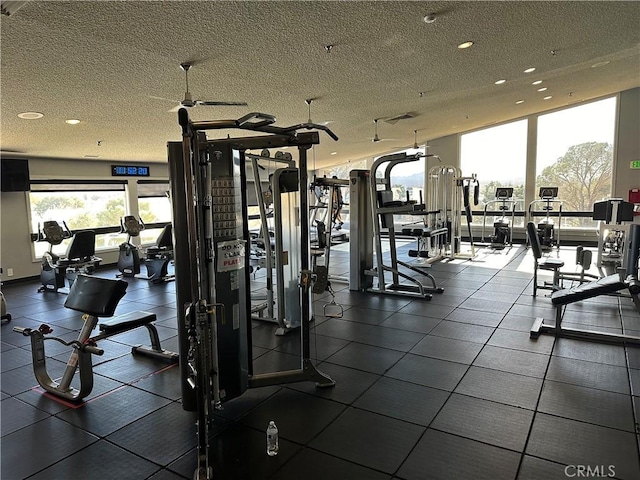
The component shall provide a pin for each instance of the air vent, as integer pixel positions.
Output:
(397, 118)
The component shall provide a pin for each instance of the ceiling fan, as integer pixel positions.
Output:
(188, 100)
(308, 101)
(376, 138)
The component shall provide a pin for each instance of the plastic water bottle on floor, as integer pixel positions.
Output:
(272, 439)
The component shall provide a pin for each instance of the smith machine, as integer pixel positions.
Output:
(209, 192)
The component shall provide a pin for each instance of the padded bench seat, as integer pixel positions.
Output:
(602, 286)
(127, 321)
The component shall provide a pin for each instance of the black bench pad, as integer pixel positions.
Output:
(127, 321)
(604, 285)
(423, 232)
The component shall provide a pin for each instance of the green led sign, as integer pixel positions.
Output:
(635, 164)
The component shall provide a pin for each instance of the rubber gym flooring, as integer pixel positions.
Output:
(448, 389)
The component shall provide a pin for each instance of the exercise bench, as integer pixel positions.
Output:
(612, 284)
(96, 298)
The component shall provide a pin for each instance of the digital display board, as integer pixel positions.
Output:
(129, 171)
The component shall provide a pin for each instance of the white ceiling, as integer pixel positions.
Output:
(106, 62)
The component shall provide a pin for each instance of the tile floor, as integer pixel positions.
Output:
(448, 389)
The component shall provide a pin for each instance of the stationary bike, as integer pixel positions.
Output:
(129, 258)
(80, 256)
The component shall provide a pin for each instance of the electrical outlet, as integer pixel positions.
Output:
(9, 272)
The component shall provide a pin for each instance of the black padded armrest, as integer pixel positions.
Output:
(602, 286)
(95, 296)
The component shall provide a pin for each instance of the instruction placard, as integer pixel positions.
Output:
(231, 255)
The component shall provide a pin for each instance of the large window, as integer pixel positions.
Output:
(575, 154)
(498, 156)
(81, 205)
(154, 206)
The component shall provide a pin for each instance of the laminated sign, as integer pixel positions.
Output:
(231, 255)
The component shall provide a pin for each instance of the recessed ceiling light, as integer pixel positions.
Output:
(500, 82)
(537, 82)
(549, 97)
(429, 18)
(542, 89)
(72, 121)
(529, 70)
(464, 45)
(519, 102)
(600, 64)
(334, 153)
(30, 115)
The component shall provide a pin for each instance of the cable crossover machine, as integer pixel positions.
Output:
(210, 224)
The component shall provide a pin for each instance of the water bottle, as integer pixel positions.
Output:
(272, 439)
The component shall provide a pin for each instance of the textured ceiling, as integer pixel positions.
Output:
(107, 62)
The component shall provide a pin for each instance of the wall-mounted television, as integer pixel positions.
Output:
(14, 175)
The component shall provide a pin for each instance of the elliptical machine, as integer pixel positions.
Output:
(548, 234)
(502, 226)
(129, 258)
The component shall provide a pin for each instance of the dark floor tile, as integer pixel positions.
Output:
(350, 383)
(589, 351)
(449, 300)
(16, 415)
(429, 372)
(265, 336)
(495, 306)
(15, 358)
(290, 410)
(240, 406)
(509, 388)
(161, 445)
(462, 331)
(533, 468)
(129, 368)
(321, 347)
(589, 374)
(22, 379)
(238, 452)
(475, 317)
(520, 323)
(105, 414)
(426, 309)
(485, 421)
(91, 463)
(319, 466)
(577, 443)
(447, 349)
(402, 400)
(441, 456)
(366, 315)
(383, 302)
(274, 361)
(366, 357)
(634, 375)
(521, 341)
(165, 383)
(513, 361)
(587, 405)
(52, 439)
(412, 323)
(388, 441)
(165, 474)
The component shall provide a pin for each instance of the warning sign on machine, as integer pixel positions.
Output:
(231, 255)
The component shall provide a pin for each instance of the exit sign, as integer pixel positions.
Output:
(635, 164)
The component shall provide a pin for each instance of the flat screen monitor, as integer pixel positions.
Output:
(14, 175)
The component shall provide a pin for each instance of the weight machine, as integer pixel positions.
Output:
(503, 225)
(447, 193)
(208, 182)
(612, 235)
(548, 232)
(128, 256)
(372, 195)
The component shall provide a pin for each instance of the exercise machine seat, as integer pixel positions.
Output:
(82, 249)
(164, 243)
(602, 286)
(127, 321)
(95, 296)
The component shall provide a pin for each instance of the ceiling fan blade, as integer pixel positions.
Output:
(176, 108)
(164, 99)
(222, 104)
